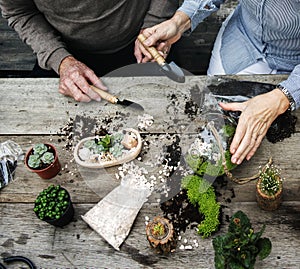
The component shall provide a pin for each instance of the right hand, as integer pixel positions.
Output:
(163, 35)
(75, 78)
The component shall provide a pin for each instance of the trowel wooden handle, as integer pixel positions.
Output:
(152, 50)
(105, 95)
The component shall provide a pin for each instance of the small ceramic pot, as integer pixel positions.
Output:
(48, 172)
(66, 217)
(161, 236)
(267, 202)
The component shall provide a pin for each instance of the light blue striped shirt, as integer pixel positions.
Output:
(268, 29)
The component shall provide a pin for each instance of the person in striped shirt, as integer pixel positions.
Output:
(258, 37)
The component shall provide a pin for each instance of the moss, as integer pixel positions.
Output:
(201, 194)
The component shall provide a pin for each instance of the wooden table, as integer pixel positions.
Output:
(32, 110)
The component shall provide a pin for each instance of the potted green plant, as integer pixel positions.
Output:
(54, 206)
(269, 188)
(161, 235)
(43, 160)
(240, 246)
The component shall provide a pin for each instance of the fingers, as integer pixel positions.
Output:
(75, 80)
(247, 143)
(232, 106)
(257, 115)
(141, 54)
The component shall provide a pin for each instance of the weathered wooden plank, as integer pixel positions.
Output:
(14, 54)
(151, 92)
(77, 246)
(90, 186)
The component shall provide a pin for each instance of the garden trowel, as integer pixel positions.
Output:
(171, 70)
(116, 100)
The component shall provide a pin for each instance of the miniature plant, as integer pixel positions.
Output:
(201, 194)
(208, 154)
(40, 156)
(240, 246)
(158, 229)
(270, 180)
(105, 142)
(161, 235)
(51, 203)
(108, 143)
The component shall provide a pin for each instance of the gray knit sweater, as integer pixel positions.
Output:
(52, 27)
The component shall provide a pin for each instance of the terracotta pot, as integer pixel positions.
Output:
(48, 172)
(163, 242)
(267, 202)
(67, 216)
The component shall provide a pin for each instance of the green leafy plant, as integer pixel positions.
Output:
(240, 246)
(158, 229)
(105, 142)
(201, 194)
(51, 203)
(41, 155)
(271, 180)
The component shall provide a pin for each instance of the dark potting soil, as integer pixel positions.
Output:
(282, 127)
(181, 212)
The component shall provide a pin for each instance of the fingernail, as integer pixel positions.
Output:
(98, 99)
(239, 162)
(233, 160)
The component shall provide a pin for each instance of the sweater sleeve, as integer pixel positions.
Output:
(33, 29)
(159, 11)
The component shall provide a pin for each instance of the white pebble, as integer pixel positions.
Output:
(188, 247)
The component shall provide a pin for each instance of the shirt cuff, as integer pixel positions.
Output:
(292, 84)
(198, 10)
(56, 57)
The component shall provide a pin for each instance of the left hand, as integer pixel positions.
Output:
(162, 36)
(257, 115)
(143, 56)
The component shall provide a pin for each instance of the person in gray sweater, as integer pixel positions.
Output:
(81, 40)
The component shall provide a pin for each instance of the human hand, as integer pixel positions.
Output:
(162, 36)
(257, 116)
(75, 78)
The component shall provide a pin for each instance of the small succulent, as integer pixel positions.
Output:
(108, 143)
(158, 229)
(51, 203)
(116, 150)
(270, 180)
(40, 156)
(39, 149)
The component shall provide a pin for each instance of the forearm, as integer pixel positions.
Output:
(35, 31)
(182, 21)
